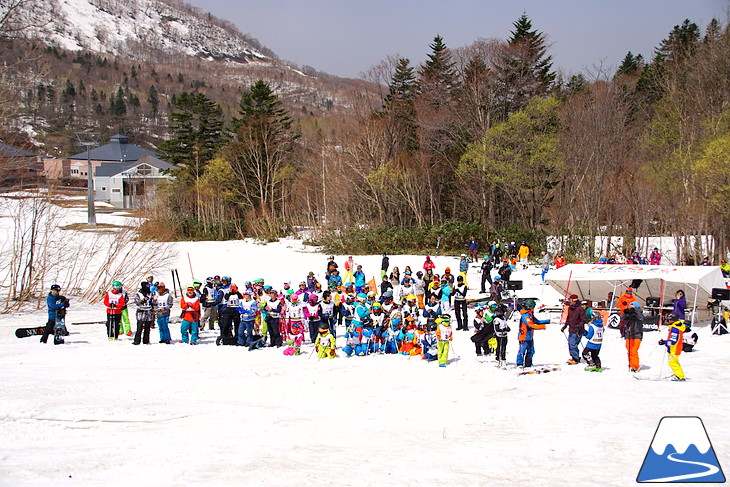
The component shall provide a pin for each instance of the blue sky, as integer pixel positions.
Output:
(346, 38)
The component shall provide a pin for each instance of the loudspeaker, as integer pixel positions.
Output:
(653, 302)
(720, 293)
(636, 283)
(514, 285)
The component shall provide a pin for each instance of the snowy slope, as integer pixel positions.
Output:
(94, 412)
(129, 27)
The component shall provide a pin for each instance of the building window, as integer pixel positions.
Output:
(116, 190)
(103, 188)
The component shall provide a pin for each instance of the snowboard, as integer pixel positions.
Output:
(59, 330)
(29, 332)
(591, 368)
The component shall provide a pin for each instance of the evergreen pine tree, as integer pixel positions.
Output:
(400, 104)
(524, 70)
(197, 125)
(154, 100)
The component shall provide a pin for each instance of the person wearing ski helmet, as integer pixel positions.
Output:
(294, 313)
(528, 325)
(324, 342)
(55, 303)
(313, 316)
(150, 280)
(209, 299)
(145, 313)
(190, 305)
(114, 302)
(674, 343)
(294, 340)
(247, 310)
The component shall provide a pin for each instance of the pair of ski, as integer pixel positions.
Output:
(665, 379)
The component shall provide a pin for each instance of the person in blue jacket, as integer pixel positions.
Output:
(594, 334)
(55, 302)
(359, 279)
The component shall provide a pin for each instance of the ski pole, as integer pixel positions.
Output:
(312, 352)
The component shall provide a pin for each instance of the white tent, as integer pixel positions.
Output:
(594, 281)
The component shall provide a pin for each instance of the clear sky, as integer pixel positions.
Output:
(347, 37)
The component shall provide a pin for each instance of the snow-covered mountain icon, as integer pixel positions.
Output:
(681, 452)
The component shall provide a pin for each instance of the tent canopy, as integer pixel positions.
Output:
(594, 281)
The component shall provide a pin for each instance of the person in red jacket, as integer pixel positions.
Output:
(114, 302)
(560, 260)
(428, 264)
(190, 306)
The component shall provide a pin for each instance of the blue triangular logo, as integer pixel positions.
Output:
(681, 452)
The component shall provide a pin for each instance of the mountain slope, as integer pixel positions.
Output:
(136, 28)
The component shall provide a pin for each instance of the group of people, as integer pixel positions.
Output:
(410, 315)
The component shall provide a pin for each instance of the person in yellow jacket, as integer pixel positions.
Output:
(444, 336)
(674, 344)
(523, 253)
(324, 344)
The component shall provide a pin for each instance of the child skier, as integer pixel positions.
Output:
(528, 325)
(248, 309)
(145, 314)
(444, 335)
(594, 334)
(294, 341)
(501, 329)
(674, 341)
(114, 302)
(162, 301)
(429, 345)
(324, 344)
(484, 332)
(190, 305)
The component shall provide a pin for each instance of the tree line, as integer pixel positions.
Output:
(486, 134)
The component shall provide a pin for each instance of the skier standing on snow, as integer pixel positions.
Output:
(594, 334)
(632, 329)
(162, 301)
(528, 325)
(444, 335)
(575, 323)
(460, 310)
(114, 302)
(145, 314)
(501, 329)
(324, 343)
(247, 310)
(55, 302)
(125, 327)
(190, 305)
(487, 267)
(384, 265)
(228, 316)
(274, 310)
(674, 344)
(209, 299)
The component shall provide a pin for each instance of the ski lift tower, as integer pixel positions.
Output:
(86, 139)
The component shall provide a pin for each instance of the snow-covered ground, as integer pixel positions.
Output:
(94, 412)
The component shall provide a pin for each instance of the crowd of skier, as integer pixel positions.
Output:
(409, 314)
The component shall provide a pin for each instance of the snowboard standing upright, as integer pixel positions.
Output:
(59, 330)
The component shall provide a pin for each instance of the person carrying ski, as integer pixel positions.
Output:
(54, 302)
(114, 302)
(575, 323)
(444, 335)
(528, 324)
(674, 344)
(594, 334)
(190, 305)
(324, 343)
(145, 314)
